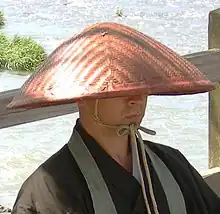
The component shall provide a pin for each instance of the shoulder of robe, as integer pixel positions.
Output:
(201, 189)
(172, 157)
(188, 177)
(161, 148)
(50, 171)
(41, 191)
(30, 194)
(42, 174)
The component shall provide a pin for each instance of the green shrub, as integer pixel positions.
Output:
(20, 54)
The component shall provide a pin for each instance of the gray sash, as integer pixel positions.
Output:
(101, 197)
(172, 190)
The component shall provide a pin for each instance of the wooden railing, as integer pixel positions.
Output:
(214, 97)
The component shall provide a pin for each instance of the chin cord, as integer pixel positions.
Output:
(133, 131)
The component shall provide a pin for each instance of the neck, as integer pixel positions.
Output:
(116, 146)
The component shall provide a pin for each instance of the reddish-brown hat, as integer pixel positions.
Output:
(109, 60)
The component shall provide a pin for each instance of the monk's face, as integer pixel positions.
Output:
(122, 110)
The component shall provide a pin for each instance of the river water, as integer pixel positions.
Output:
(180, 122)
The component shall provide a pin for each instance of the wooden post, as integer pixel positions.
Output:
(214, 96)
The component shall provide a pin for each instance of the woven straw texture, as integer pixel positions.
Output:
(109, 60)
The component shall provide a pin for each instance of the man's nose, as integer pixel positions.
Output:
(137, 99)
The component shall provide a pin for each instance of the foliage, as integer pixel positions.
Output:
(21, 54)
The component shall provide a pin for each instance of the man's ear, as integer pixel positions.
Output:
(81, 103)
(86, 104)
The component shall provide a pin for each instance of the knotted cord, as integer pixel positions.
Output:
(133, 131)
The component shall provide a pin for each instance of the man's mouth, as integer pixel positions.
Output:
(132, 116)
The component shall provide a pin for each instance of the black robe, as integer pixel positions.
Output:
(58, 185)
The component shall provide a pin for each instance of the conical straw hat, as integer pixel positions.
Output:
(109, 60)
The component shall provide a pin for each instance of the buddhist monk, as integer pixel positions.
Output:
(109, 70)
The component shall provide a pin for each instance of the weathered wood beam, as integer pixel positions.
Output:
(10, 117)
(207, 61)
(214, 96)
